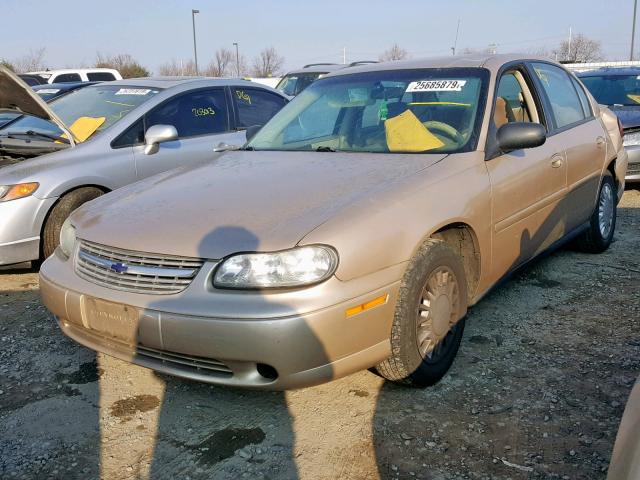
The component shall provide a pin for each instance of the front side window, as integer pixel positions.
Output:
(255, 107)
(566, 107)
(613, 89)
(510, 101)
(202, 112)
(67, 77)
(398, 111)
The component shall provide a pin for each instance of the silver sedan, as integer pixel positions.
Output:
(104, 137)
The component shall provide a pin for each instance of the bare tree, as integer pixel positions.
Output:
(482, 51)
(178, 68)
(543, 52)
(221, 64)
(7, 64)
(581, 50)
(268, 63)
(32, 61)
(124, 63)
(394, 53)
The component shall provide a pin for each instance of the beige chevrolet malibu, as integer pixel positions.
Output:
(353, 230)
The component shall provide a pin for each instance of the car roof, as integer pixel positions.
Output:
(610, 71)
(72, 70)
(488, 61)
(163, 83)
(317, 68)
(63, 86)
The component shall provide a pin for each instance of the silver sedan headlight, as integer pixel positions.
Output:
(631, 139)
(67, 238)
(289, 268)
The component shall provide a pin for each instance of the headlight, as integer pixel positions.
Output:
(67, 238)
(631, 139)
(290, 268)
(12, 192)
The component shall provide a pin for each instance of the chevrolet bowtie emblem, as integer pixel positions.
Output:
(119, 267)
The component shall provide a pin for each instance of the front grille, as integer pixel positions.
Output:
(181, 361)
(135, 272)
(633, 169)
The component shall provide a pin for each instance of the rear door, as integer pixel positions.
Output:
(527, 185)
(202, 119)
(582, 135)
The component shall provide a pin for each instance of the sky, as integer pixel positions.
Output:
(157, 31)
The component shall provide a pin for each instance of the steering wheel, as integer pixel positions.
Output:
(445, 129)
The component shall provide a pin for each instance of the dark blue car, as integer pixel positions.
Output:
(619, 89)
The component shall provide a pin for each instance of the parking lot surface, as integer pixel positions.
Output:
(537, 391)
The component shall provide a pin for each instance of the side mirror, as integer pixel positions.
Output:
(518, 135)
(156, 135)
(252, 130)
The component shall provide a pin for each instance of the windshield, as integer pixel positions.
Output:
(614, 89)
(86, 111)
(293, 83)
(400, 111)
(48, 93)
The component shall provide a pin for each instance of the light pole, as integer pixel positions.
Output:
(195, 51)
(237, 60)
(633, 30)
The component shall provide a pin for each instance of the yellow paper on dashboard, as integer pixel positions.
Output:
(406, 133)
(84, 127)
(635, 98)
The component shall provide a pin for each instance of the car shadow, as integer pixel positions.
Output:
(192, 433)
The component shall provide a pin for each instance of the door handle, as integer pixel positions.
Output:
(600, 142)
(556, 161)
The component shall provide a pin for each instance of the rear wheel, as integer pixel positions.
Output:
(599, 235)
(60, 212)
(428, 322)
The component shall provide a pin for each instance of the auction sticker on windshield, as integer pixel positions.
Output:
(133, 91)
(436, 86)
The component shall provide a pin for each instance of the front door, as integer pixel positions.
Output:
(527, 185)
(202, 119)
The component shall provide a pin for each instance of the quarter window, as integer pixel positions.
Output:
(583, 97)
(566, 107)
(202, 112)
(255, 107)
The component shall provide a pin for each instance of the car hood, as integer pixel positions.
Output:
(243, 201)
(629, 115)
(17, 95)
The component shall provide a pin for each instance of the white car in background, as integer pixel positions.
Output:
(79, 75)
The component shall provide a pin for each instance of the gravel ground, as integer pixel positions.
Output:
(546, 364)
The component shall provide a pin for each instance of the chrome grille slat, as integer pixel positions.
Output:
(145, 272)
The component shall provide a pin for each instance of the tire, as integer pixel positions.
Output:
(602, 225)
(60, 212)
(436, 273)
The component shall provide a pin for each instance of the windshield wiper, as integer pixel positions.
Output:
(31, 133)
(247, 148)
(325, 149)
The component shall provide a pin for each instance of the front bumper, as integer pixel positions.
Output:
(305, 347)
(633, 167)
(20, 225)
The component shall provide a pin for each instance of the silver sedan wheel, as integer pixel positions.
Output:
(606, 208)
(438, 313)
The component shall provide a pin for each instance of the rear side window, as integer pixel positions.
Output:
(203, 112)
(566, 107)
(255, 107)
(100, 77)
(67, 77)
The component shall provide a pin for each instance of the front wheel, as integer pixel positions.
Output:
(599, 235)
(429, 317)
